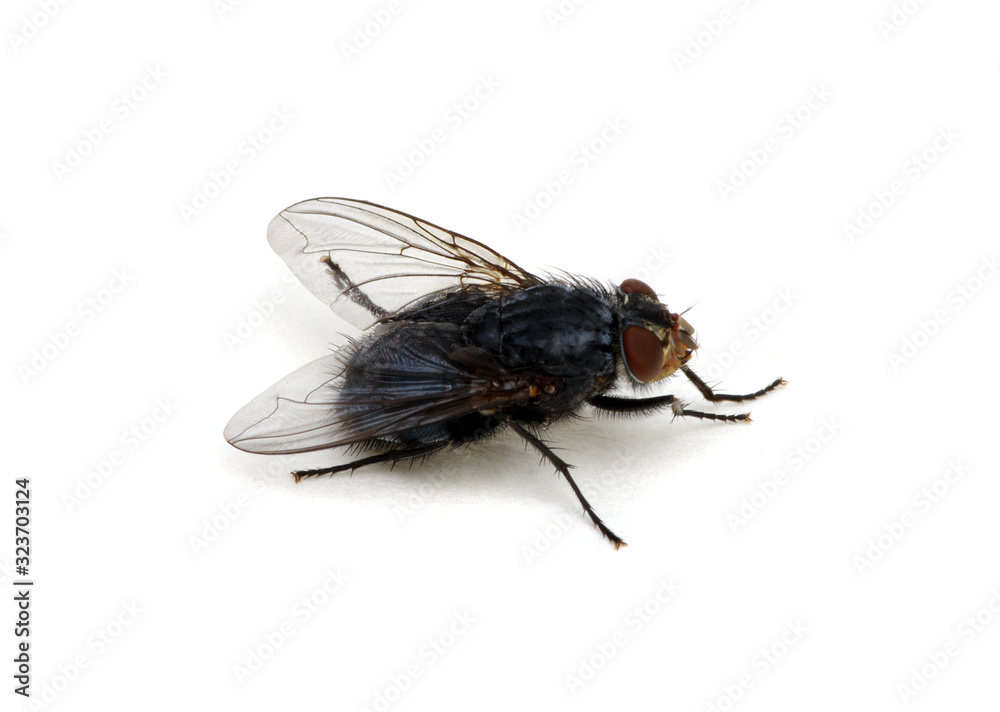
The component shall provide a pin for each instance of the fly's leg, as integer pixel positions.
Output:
(391, 456)
(615, 404)
(710, 395)
(738, 418)
(563, 469)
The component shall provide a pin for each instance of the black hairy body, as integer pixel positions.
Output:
(460, 344)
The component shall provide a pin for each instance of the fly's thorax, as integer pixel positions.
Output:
(557, 329)
(654, 342)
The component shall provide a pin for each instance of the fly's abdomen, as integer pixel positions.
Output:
(395, 376)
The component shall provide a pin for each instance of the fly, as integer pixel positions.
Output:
(459, 344)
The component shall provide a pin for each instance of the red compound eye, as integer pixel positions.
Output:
(643, 353)
(637, 286)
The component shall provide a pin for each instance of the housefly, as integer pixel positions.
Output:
(459, 344)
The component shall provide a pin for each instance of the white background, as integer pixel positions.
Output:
(165, 561)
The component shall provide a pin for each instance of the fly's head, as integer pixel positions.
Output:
(654, 342)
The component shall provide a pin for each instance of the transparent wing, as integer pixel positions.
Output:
(323, 404)
(296, 414)
(367, 262)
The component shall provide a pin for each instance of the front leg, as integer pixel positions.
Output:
(709, 395)
(614, 404)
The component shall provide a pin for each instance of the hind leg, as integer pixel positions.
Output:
(408, 453)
